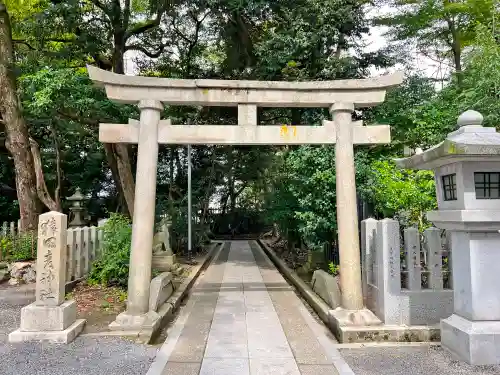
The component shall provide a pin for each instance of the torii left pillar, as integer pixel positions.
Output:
(137, 315)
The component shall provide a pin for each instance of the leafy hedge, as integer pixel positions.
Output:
(113, 265)
(18, 247)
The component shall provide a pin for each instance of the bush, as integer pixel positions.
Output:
(333, 269)
(18, 247)
(111, 269)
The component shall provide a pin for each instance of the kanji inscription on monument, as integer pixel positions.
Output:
(51, 259)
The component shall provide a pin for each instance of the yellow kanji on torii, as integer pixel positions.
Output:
(284, 131)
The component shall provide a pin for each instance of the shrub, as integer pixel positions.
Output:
(18, 247)
(333, 269)
(113, 265)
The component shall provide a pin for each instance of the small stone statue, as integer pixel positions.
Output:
(161, 240)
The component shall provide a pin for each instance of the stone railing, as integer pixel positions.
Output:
(83, 247)
(405, 281)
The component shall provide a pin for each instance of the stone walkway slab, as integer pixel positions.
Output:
(243, 318)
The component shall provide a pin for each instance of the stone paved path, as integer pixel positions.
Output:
(244, 319)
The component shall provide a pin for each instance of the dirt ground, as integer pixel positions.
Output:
(100, 305)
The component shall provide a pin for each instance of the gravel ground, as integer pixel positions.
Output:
(84, 356)
(421, 360)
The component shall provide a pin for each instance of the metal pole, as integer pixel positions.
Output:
(189, 203)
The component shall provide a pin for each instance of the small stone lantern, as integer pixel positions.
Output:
(467, 174)
(77, 209)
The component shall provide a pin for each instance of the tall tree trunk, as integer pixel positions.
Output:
(171, 182)
(121, 153)
(17, 141)
(53, 204)
(118, 155)
(456, 49)
(230, 179)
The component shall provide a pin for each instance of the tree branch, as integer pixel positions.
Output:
(76, 118)
(101, 6)
(19, 41)
(180, 33)
(41, 187)
(153, 55)
(139, 29)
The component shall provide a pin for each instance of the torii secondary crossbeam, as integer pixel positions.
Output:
(341, 97)
(243, 134)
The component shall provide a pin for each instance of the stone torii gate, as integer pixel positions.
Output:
(341, 97)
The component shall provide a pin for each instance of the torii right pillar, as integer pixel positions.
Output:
(347, 214)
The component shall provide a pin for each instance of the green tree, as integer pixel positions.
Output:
(404, 194)
(12, 123)
(441, 29)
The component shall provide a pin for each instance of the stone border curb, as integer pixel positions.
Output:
(167, 310)
(163, 354)
(350, 334)
(322, 333)
(318, 305)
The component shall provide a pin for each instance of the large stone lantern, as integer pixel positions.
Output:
(77, 209)
(467, 174)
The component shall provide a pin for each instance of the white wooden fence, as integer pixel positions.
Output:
(405, 281)
(9, 228)
(84, 246)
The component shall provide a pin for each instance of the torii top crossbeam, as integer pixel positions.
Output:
(208, 92)
(247, 95)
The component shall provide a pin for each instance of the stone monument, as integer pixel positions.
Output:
(50, 317)
(467, 175)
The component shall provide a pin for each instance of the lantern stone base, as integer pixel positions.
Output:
(475, 342)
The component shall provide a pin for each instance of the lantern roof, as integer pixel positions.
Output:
(77, 196)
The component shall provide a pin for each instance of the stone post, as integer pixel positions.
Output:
(50, 317)
(143, 221)
(347, 214)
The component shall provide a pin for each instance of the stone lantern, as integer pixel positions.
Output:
(77, 209)
(467, 174)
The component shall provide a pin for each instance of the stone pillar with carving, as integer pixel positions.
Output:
(50, 317)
